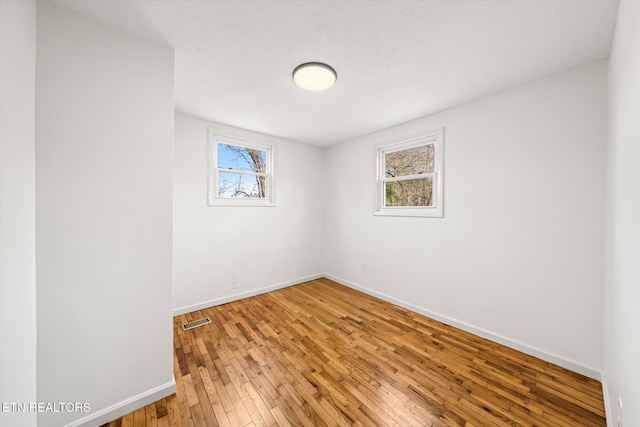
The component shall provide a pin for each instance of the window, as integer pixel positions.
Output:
(409, 179)
(240, 171)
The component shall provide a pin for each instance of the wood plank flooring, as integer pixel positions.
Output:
(321, 354)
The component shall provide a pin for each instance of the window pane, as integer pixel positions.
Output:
(412, 192)
(411, 161)
(241, 158)
(238, 185)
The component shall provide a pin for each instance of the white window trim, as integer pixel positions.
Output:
(436, 137)
(213, 199)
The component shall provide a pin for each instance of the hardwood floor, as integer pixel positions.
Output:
(319, 354)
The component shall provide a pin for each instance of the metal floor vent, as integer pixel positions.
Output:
(195, 323)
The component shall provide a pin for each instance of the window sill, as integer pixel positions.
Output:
(410, 212)
(242, 203)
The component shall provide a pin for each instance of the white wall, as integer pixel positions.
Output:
(17, 208)
(622, 289)
(519, 254)
(104, 144)
(269, 246)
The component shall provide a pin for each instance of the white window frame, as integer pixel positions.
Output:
(224, 137)
(435, 137)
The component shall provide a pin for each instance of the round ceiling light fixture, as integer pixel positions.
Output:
(314, 76)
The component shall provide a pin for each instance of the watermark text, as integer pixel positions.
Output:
(22, 407)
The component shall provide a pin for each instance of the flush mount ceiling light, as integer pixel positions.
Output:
(314, 76)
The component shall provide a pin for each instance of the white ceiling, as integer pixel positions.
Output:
(396, 60)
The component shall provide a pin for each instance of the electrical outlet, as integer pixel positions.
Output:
(234, 279)
(619, 411)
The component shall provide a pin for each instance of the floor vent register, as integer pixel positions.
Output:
(195, 323)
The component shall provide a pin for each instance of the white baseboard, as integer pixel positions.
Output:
(541, 354)
(119, 409)
(607, 402)
(235, 297)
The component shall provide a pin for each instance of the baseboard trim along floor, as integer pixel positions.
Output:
(119, 409)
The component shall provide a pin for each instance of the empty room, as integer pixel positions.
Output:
(310, 213)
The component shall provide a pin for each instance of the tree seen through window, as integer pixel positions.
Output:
(409, 176)
(242, 171)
